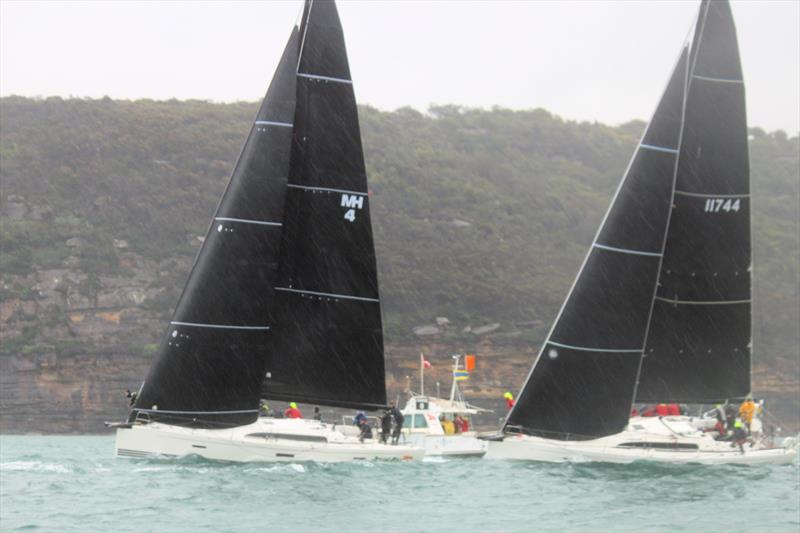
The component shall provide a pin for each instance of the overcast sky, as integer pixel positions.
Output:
(598, 60)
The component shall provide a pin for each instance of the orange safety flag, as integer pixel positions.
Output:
(469, 362)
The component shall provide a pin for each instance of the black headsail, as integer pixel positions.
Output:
(582, 383)
(698, 346)
(328, 347)
(210, 365)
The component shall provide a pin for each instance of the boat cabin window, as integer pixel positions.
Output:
(422, 404)
(420, 422)
(660, 445)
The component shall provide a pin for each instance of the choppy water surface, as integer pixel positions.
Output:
(76, 484)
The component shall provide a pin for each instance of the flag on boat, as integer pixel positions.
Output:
(424, 362)
(469, 362)
(460, 375)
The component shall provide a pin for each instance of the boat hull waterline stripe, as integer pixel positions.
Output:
(698, 302)
(587, 349)
(721, 80)
(273, 123)
(658, 148)
(325, 189)
(195, 412)
(327, 294)
(218, 326)
(246, 221)
(703, 195)
(324, 78)
(625, 250)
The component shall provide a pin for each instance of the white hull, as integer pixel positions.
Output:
(671, 440)
(448, 445)
(266, 440)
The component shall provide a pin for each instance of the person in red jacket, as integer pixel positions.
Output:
(292, 411)
(509, 400)
(673, 409)
(662, 410)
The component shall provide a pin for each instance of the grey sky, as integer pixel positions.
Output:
(601, 60)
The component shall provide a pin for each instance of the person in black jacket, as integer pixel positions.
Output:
(386, 426)
(398, 422)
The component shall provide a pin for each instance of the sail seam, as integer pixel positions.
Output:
(196, 412)
(324, 189)
(721, 80)
(324, 78)
(659, 148)
(587, 349)
(701, 302)
(273, 123)
(625, 250)
(247, 221)
(217, 326)
(330, 295)
(704, 195)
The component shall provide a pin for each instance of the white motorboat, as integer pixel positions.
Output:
(423, 427)
(282, 302)
(660, 311)
(425, 417)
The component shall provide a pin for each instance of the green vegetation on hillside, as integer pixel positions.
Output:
(480, 215)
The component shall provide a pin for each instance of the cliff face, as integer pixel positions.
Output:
(481, 219)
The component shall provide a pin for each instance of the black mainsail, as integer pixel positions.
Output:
(660, 310)
(698, 347)
(282, 301)
(329, 349)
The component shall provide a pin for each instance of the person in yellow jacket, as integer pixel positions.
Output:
(747, 410)
(447, 425)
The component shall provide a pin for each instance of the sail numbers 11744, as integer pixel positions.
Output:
(715, 205)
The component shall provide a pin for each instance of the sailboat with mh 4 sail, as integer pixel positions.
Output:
(282, 302)
(661, 308)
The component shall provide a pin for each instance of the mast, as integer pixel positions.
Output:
(583, 379)
(328, 347)
(699, 341)
(210, 364)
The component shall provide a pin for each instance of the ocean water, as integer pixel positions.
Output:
(61, 483)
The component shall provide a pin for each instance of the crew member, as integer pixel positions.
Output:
(292, 411)
(398, 418)
(386, 426)
(509, 400)
(747, 409)
(360, 415)
(366, 430)
(131, 396)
